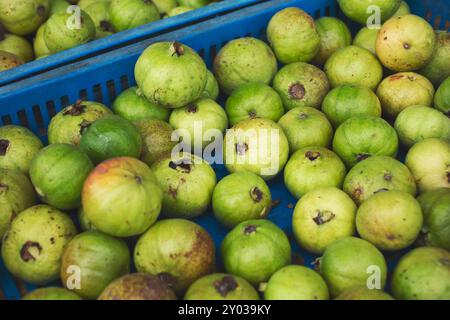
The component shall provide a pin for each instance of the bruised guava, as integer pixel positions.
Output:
(68, 124)
(351, 262)
(51, 293)
(405, 43)
(34, 244)
(99, 11)
(429, 162)
(9, 61)
(187, 182)
(391, 220)
(420, 122)
(360, 10)
(323, 216)
(256, 145)
(422, 274)
(221, 286)
(39, 46)
(138, 286)
(254, 100)
(293, 36)
(18, 146)
(354, 65)
(129, 14)
(310, 168)
(16, 45)
(170, 74)
(194, 3)
(367, 38)
(442, 97)
(100, 258)
(211, 90)
(239, 197)
(301, 85)
(23, 17)
(165, 6)
(244, 60)
(439, 66)
(242, 252)
(363, 136)
(295, 283)
(376, 174)
(122, 197)
(178, 251)
(347, 101)
(363, 293)
(16, 194)
(402, 90)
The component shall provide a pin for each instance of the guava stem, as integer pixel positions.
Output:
(241, 148)
(225, 285)
(4, 145)
(25, 253)
(312, 155)
(178, 48)
(250, 229)
(76, 109)
(297, 91)
(256, 194)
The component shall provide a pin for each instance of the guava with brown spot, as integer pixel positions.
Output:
(16, 45)
(176, 250)
(99, 11)
(9, 61)
(34, 244)
(367, 38)
(23, 17)
(129, 14)
(438, 69)
(442, 97)
(362, 11)
(363, 293)
(51, 293)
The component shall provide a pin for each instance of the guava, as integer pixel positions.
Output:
(138, 286)
(438, 69)
(130, 14)
(171, 74)
(18, 145)
(176, 250)
(39, 46)
(239, 197)
(367, 38)
(347, 101)
(177, 11)
(296, 283)
(187, 182)
(310, 168)
(254, 100)
(221, 286)
(293, 36)
(16, 45)
(301, 85)
(402, 10)
(122, 197)
(84, 222)
(100, 259)
(306, 127)
(157, 139)
(194, 3)
(211, 90)
(402, 90)
(405, 43)
(255, 250)
(359, 10)
(442, 97)
(58, 172)
(165, 6)
(100, 15)
(244, 60)
(351, 262)
(422, 274)
(199, 119)
(9, 61)
(23, 17)
(375, 174)
(34, 244)
(57, 6)
(429, 162)
(363, 136)
(334, 35)
(363, 293)
(51, 293)
(63, 31)
(16, 195)
(111, 136)
(256, 145)
(354, 65)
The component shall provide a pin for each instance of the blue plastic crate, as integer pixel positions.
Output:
(122, 38)
(32, 102)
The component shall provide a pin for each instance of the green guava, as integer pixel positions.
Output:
(211, 90)
(244, 60)
(293, 36)
(351, 262)
(347, 101)
(106, 206)
(402, 90)
(311, 168)
(171, 74)
(254, 100)
(187, 182)
(363, 293)
(375, 174)
(405, 43)
(9, 61)
(354, 65)
(359, 10)
(194, 3)
(18, 145)
(39, 46)
(301, 85)
(57, 6)
(363, 136)
(130, 14)
(100, 15)
(402, 10)
(239, 197)
(442, 97)
(255, 250)
(422, 274)
(34, 244)
(84, 222)
(428, 161)
(367, 38)
(256, 145)
(23, 17)
(51, 293)
(221, 286)
(176, 250)
(138, 286)
(165, 6)
(306, 127)
(177, 11)
(16, 45)
(438, 69)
